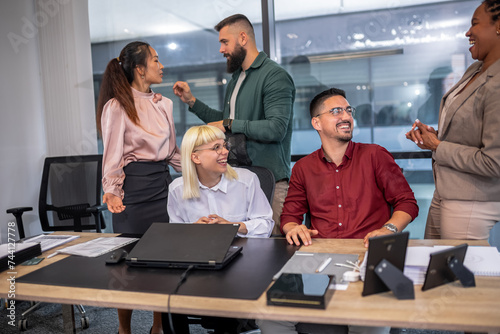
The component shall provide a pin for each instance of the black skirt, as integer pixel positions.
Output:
(145, 196)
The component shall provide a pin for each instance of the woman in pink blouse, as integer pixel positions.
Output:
(138, 135)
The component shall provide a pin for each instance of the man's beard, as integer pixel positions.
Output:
(344, 137)
(236, 59)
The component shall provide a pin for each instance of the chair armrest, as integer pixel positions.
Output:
(96, 211)
(18, 213)
(19, 210)
(97, 208)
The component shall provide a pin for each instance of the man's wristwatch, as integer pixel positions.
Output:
(227, 124)
(391, 227)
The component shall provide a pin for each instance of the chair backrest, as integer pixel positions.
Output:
(266, 178)
(70, 185)
(494, 238)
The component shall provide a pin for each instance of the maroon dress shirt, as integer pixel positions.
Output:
(349, 200)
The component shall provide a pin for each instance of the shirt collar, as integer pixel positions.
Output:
(350, 150)
(261, 57)
(142, 95)
(259, 60)
(222, 185)
(347, 155)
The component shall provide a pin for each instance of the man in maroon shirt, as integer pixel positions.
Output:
(347, 188)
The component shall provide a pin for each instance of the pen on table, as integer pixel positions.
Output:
(345, 265)
(53, 254)
(323, 265)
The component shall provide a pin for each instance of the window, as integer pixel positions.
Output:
(393, 62)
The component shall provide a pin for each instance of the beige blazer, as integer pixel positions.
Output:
(466, 164)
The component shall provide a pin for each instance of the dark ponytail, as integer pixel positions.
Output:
(118, 77)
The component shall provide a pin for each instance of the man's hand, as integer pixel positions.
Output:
(182, 90)
(296, 233)
(423, 135)
(376, 233)
(115, 203)
(218, 124)
(399, 219)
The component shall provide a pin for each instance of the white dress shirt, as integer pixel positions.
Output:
(240, 200)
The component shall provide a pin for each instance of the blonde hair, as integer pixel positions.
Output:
(194, 137)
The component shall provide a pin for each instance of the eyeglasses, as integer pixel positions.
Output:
(351, 111)
(217, 148)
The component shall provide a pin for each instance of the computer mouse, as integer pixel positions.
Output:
(117, 256)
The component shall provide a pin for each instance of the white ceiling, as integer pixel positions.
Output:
(126, 19)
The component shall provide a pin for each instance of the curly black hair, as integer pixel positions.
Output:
(493, 6)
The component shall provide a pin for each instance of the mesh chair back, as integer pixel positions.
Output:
(70, 185)
(266, 178)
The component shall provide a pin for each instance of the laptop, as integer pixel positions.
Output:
(167, 245)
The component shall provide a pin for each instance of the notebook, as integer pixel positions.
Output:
(182, 245)
(481, 260)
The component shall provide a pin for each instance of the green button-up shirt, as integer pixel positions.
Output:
(264, 113)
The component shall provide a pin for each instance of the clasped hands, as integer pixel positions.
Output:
(424, 136)
(212, 219)
(215, 219)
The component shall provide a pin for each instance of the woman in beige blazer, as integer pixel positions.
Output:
(466, 147)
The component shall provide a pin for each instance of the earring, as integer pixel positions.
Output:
(142, 76)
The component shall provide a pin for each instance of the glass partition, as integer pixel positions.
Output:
(394, 59)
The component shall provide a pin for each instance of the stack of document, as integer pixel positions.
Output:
(49, 241)
(416, 263)
(481, 260)
(12, 254)
(95, 247)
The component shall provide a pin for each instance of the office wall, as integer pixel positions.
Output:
(46, 96)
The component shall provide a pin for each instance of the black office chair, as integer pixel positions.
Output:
(266, 178)
(243, 326)
(70, 195)
(70, 200)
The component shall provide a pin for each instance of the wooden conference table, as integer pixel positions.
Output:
(449, 307)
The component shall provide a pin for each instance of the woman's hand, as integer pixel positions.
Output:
(203, 220)
(424, 136)
(115, 203)
(215, 219)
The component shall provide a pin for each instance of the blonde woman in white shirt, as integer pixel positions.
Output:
(212, 192)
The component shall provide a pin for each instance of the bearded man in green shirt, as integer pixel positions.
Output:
(258, 103)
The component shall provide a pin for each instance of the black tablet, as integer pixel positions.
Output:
(439, 271)
(392, 248)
